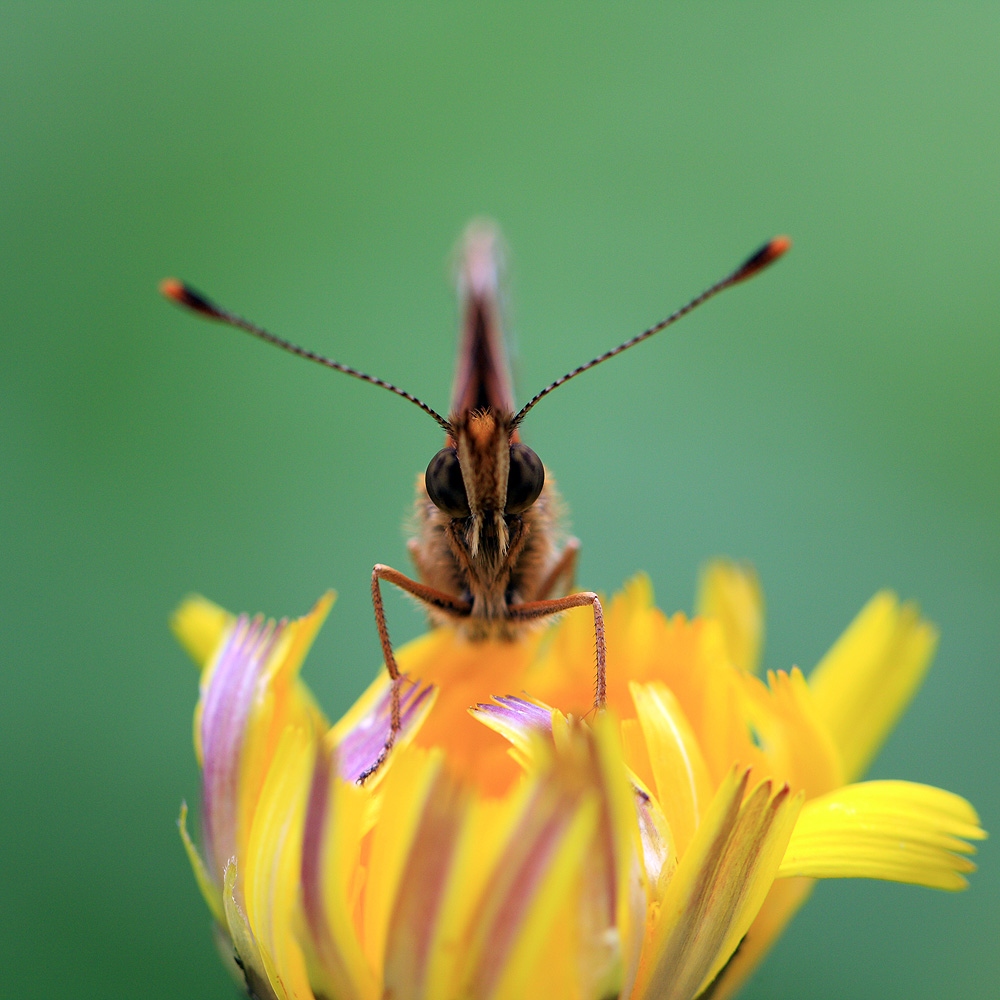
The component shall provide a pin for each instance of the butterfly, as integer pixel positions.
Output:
(485, 550)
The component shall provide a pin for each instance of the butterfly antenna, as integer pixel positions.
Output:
(186, 296)
(752, 266)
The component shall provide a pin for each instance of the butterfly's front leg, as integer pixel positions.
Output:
(534, 610)
(436, 599)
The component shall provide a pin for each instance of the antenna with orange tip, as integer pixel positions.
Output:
(185, 295)
(751, 267)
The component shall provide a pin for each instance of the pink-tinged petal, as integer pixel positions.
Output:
(518, 720)
(565, 881)
(519, 714)
(544, 856)
(607, 908)
(331, 844)
(719, 886)
(226, 705)
(359, 746)
(421, 896)
(402, 799)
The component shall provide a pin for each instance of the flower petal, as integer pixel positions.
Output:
(248, 956)
(543, 858)
(273, 855)
(895, 830)
(487, 825)
(331, 846)
(518, 720)
(783, 900)
(730, 593)
(868, 677)
(250, 694)
(659, 856)
(683, 786)
(608, 908)
(629, 892)
(404, 793)
(413, 934)
(798, 748)
(359, 746)
(719, 886)
(205, 883)
(199, 625)
(795, 741)
(226, 705)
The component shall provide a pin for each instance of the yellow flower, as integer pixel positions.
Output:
(526, 848)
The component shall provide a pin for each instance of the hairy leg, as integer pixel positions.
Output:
(436, 599)
(543, 609)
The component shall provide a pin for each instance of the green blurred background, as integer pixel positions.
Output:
(835, 422)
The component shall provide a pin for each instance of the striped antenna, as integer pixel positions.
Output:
(752, 266)
(186, 296)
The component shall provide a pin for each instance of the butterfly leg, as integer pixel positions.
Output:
(563, 570)
(428, 595)
(534, 610)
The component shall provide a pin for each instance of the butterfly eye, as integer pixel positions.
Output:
(525, 480)
(445, 485)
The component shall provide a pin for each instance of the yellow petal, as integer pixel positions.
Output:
(281, 700)
(783, 900)
(602, 920)
(245, 944)
(334, 828)
(270, 872)
(683, 786)
(894, 830)
(199, 626)
(794, 739)
(717, 889)
(621, 817)
(546, 913)
(412, 933)
(209, 889)
(868, 677)
(770, 826)
(537, 873)
(730, 593)
(404, 796)
(489, 823)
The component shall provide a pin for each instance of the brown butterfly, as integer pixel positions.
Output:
(485, 552)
